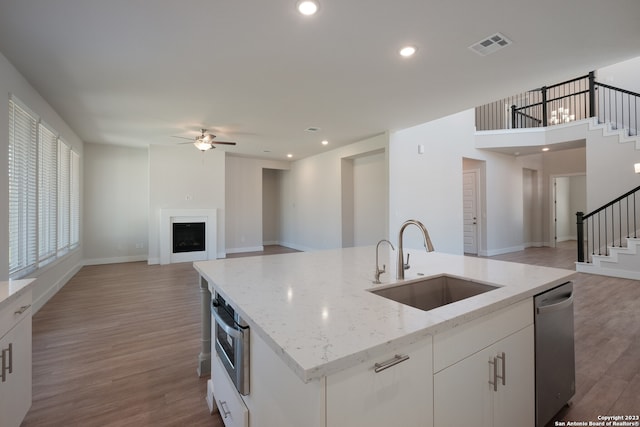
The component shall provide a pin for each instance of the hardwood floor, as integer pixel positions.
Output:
(607, 338)
(118, 346)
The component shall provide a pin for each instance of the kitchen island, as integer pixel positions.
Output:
(314, 322)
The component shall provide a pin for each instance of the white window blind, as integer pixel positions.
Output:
(22, 189)
(47, 193)
(64, 195)
(44, 192)
(75, 199)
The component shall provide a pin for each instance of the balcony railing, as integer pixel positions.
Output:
(575, 99)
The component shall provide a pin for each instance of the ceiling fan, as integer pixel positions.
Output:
(205, 141)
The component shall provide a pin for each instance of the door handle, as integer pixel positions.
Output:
(557, 306)
(230, 330)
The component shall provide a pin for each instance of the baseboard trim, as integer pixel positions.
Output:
(502, 251)
(247, 249)
(116, 260)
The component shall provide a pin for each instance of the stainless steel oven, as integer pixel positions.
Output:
(231, 341)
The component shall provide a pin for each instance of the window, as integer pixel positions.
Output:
(44, 192)
(22, 189)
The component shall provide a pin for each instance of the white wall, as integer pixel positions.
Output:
(428, 187)
(610, 169)
(370, 199)
(181, 177)
(55, 275)
(312, 196)
(623, 75)
(116, 204)
(244, 191)
(271, 206)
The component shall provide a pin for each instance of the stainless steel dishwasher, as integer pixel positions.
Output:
(555, 356)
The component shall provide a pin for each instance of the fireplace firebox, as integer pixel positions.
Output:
(189, 237)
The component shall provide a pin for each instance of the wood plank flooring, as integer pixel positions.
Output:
(118, 346)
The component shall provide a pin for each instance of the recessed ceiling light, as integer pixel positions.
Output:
(307, 7)
(545, 149)
(325, 142)
(289, 155)
(408, 51)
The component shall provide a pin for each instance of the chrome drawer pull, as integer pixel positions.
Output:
(504, 368)
(494, 383)
(225, 412)
(379, 367)
(7, 361)
(22, 309)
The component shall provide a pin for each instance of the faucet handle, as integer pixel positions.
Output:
(406, 266)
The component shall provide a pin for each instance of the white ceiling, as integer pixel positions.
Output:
(136, 72)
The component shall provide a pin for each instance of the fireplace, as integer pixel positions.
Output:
(188, 237)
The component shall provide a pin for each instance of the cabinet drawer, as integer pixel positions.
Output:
(14, 312)
(232, 409)
(455, 344)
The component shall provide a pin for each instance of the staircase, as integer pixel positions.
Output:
(622, 261)
(607, 117)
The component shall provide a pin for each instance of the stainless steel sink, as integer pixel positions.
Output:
(433, 292)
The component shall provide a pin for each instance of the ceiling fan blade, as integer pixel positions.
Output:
(223, 142)
(183, 137)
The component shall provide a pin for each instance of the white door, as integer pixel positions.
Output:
(470, 211)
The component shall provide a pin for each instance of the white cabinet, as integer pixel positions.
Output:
(400, 392)
(232, 409)
(493, 385)
(15, 363)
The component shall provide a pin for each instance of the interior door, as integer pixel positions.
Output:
(470, 211)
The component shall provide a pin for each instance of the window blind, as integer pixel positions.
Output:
(22, 156)
(64, 193)
(47, 193)
(75, 199)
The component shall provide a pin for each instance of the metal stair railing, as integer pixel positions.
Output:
(608, 225)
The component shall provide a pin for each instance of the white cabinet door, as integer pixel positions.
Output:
(15, 390)
(463, 394)
(401, 395)
(514, 403)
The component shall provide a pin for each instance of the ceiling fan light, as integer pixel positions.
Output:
(202, 145)
(307, 7)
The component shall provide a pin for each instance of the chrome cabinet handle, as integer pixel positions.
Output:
(22, 309)
(379, 367)
(504, 368)
(494, 383)
(7, 361)
(225, 412)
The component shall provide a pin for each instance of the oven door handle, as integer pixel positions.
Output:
(233, 332)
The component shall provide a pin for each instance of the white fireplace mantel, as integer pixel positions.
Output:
(170, 216)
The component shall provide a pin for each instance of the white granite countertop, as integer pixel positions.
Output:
(313, 308)
(12, 289)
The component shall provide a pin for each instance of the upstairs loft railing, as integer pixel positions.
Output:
(575, 99)
(608, 225)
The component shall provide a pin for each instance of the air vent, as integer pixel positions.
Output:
(490, 44)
